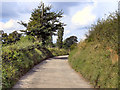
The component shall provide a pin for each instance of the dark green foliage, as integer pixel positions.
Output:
(17, 61)
(73, 46)
(23, 52)
(49, 41)
(43, 23)
(60, 37)
(4, 38)
(93, 58)
(70, 41)
(11, 38)
(105, 32)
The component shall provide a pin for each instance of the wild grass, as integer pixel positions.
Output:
(94, 57)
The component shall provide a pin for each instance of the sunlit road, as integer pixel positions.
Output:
(52, 73)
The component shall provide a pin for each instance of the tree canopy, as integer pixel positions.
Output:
(60, 38)
(43, 22)
(70, 41)
(11, 38)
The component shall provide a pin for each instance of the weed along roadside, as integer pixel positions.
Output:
(16, 62)
(96, 57)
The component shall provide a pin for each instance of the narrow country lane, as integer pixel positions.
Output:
(52, 73)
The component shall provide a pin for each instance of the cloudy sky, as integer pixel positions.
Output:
(78, 14)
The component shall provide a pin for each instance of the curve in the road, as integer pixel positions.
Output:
(52, 73)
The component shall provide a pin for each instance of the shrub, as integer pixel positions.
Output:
(17, 61)
(96, 57)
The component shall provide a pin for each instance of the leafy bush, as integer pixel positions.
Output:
(96, 58)
(22, 43)
(16, 61)
(105, 32)
(95, 65)
(73, 46)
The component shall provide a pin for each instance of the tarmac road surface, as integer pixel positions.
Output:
(52, 73)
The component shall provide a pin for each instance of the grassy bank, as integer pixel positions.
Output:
(96, 58)
(19, 58)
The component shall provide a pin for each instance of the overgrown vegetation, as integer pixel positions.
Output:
(11, 38)
(60, 38)
(43, 23)
(20, 52)
(24, 41)
(70, 42)
(96, 58)
(17, 60)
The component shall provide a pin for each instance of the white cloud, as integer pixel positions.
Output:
(84, 17)
(10, 26)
